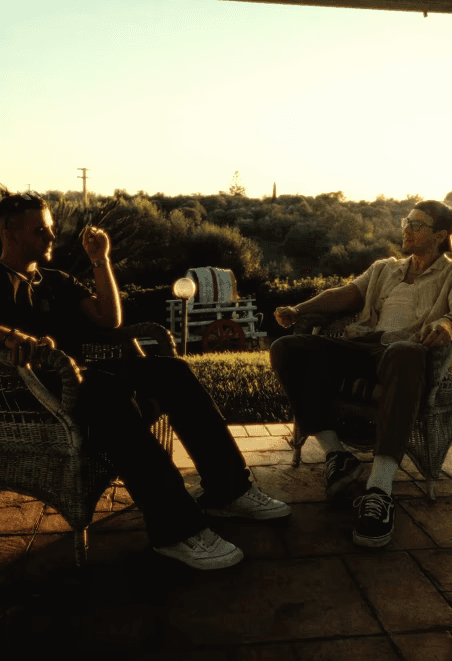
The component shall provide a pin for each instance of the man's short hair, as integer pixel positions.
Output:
(442, 219)
(15, 205)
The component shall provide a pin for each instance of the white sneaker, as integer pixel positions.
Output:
(205, 550)
(254, 504)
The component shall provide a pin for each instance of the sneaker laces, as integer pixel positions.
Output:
(257, 494)
(331, 466)
(374, 504)
(206, 538)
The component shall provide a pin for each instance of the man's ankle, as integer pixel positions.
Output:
(332, 453)
(329, 441)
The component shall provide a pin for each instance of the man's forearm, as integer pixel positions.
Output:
(327, 302)
(107, 293)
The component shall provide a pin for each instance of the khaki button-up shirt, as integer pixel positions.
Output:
(432, 296)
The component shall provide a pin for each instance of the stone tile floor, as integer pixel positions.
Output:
(304, 591)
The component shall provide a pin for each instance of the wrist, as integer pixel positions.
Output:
(100, 262)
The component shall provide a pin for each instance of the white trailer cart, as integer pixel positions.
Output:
(216, 315)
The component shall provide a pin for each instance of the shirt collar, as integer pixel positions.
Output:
(37, 276)
(443, 260)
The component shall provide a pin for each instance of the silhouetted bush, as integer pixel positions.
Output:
(155, 239)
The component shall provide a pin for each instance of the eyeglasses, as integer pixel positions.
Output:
(414, 226)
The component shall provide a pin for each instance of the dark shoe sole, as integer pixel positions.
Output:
(256, 516)
(372, 542)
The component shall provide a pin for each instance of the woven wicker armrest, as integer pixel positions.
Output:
(160, 334)
(337, 325)
(438, 367)
(328, 324)
(307, 322)
(122, 343)
(52, 359)
(69, 440)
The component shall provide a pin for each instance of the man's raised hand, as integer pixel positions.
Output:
(96, 243)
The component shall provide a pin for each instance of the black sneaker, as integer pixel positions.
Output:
(340, 470)
(375, 518)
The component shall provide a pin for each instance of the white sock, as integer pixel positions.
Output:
(329, 441)
(383, 472)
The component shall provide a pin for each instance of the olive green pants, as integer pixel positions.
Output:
(311, 369)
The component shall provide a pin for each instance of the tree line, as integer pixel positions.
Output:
(157, 237)
(274, 245)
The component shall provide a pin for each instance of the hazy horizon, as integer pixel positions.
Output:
(174, 97)
(264, 195)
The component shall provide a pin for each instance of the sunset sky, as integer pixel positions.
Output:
(175, 96)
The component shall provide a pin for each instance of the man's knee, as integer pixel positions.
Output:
(277, 346)
(164, 363)
(406, 350)
(285, 343)
(409, 355)
(175, 363)
(168, 369)
(280, 349)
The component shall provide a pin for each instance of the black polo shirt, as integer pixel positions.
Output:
(49, 307)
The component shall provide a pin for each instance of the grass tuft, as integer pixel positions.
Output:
(243, 385)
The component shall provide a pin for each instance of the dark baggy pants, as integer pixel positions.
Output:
(111, 410)
(311, 369)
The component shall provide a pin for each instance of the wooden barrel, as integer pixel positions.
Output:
(213, 285)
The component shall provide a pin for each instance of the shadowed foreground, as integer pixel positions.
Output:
(303, 591)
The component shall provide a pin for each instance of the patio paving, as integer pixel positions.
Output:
(303, 592)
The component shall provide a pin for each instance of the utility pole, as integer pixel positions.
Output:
(84, 177)
(28, 187)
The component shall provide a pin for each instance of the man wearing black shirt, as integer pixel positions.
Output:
(42, 306)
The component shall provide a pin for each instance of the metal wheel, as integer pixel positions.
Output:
(223, 335)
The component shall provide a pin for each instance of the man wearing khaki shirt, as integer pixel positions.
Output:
(405, 310)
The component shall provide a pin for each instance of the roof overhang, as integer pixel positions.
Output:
(428, 6)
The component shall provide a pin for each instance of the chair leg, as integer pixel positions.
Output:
(431, 490)
(296, 456)
(81, 547)
(296, 444)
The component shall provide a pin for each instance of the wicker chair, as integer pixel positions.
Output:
(356, 406)
(40, 444)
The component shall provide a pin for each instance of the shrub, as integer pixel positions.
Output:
(146, 305)
(279, 293)
(155, 239)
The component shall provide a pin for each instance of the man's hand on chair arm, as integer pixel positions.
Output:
(24, 347)
(436, 334)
